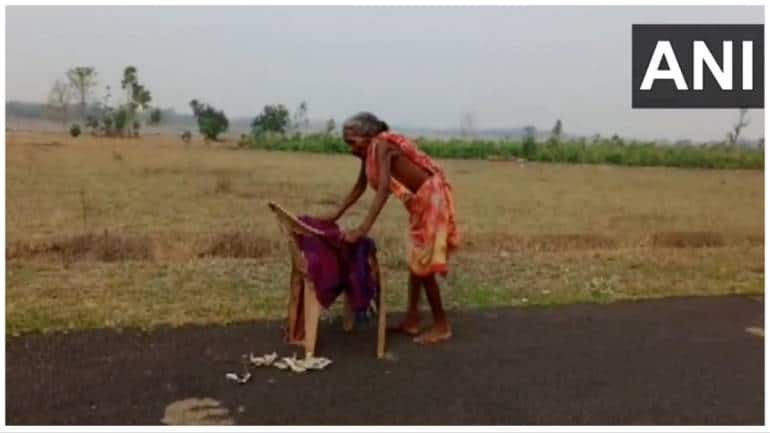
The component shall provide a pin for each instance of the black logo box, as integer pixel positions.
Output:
(664, 93)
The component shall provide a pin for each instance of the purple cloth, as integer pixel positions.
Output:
(336, 266)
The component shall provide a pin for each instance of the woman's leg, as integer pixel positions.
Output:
(440, 330)
(411, 323)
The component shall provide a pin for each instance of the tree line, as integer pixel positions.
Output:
(131, 107)
(275, 119)
(121, 116)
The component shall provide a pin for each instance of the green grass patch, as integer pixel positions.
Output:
(610, 151)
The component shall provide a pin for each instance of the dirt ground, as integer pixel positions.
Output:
(679, 361)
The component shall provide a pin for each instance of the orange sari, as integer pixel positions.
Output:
(433, 234)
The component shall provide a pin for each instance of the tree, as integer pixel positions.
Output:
(155, 116)
(107, 121)
(529, 132)
(119, 119)
(743, 121)
(211, 122)
(529, 146)
(92, 123)
(556, 131)
(140, 97)
(107, 96)
(129, 78)
(274, 118)
(300, 118)
(82, 79)
(59, 99)
(330, 127)
(137, 97)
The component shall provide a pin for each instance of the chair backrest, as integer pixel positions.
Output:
(293, 228)
(291, 222)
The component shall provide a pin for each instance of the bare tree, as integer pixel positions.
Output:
(556, 131)
(530, 132)
(330, 126)
(466, 125)
(59, 99)
(82, 79)
(743, 121)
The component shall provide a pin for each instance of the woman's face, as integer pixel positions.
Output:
(357, 143)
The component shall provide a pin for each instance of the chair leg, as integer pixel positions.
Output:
(347, 315)
(381, 335)
(295, 296)
(312, 315)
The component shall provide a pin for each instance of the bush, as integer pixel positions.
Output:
(75, 130)
(120, 120)
(244, 141)
(92, 123)
(529, 148)
(273, 119)
(602, 151)
(186, 136)
(155, 116)
(108, 131)
(211, 122)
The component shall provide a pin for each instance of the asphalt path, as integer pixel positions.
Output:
(677, 361)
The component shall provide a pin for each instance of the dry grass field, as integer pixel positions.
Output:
(144, 232)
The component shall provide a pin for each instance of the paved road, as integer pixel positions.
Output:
(681, 361)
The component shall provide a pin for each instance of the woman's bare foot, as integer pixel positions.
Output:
(435, 334)
(409, 326)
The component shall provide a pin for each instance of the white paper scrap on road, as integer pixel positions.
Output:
(285, 363)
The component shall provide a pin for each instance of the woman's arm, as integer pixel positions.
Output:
(358, 190)
(385, 155)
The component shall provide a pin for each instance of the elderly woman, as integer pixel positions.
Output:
(392, 164)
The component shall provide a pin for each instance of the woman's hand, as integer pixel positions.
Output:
(352, 236)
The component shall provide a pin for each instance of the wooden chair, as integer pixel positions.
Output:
(304, 308)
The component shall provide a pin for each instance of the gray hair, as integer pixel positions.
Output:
(366, 124)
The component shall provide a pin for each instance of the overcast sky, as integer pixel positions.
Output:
(417, 66)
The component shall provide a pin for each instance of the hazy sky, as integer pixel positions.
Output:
(417, 66)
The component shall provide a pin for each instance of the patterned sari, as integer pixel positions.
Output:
(433, 234)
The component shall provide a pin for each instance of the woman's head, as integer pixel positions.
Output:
(358, 130)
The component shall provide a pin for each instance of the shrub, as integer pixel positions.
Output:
(244, 141)
(529, 148)
(155, 116)
(75, 130)
(274, 118)
(120, 120)
(92, 123)
(211, 122)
